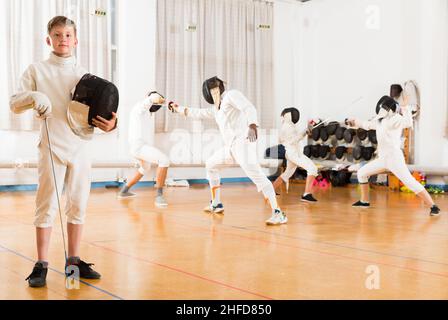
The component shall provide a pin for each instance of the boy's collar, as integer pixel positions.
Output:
(62, 61)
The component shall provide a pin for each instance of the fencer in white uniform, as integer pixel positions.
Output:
(141, 141)
(389, 124)
(237, 121)
(47, 86)
(290, 138)
(55, 78)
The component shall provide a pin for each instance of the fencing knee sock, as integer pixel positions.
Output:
(269, 193)
(73, 260)
(215, 186)
(216, 195)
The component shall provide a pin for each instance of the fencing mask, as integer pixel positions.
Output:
(290, 115)
(324, 134)
(209, 85)
(315, 151)
(324, 151)
(362, 134)
(155, 101)
(386, 106)
(367, 153)
(307, 151)
(340, 152)
(413, 93)
(357, 152)
(395, 91)
(332, 127)
(340, 178)
(372, 136)
(93, 96)
(340, 132)
(349, 135)
(315, 134)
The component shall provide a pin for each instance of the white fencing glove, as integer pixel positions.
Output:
(175, 108)
(42, 105)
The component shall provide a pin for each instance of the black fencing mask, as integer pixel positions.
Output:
(93, 96)
(387, 103)
(210, 84)
(291, 114)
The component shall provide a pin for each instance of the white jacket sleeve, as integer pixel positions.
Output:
(28, 98)
(239, 101)
(290, 135)
(303, 134)
(21, 102)
(24, 98)
(197, 113)
(143, 106)
(366, 125)
(402, 121)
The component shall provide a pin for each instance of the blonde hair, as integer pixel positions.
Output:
(60, 21)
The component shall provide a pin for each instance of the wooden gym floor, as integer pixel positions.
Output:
(324, 252)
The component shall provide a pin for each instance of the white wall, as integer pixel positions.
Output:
(329, 53)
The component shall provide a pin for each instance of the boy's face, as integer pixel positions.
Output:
(63, 40)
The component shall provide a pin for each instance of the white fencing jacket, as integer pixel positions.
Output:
(235, 115)
(389, 131)
(56, 78)
(141, 125)
(291, 137)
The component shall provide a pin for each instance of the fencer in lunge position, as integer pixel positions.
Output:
(141, 140)
(290, 138)
(237, 121)
(391, 119)
(47, 86)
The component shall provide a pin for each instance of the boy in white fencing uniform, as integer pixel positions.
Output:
(48, 86)
(290, 138)
(237, 121)
(141, 140)
(389, 124)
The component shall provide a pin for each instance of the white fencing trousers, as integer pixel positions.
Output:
(396, 164)
(150, 155)
(294, 161)
(243, 153)
(74, 174)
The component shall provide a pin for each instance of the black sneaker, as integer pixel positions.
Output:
(361, 204)
(85, 270)
(308, 198)
(435, 211)
(38, 278)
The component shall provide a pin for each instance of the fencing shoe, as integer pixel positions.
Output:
(214, 209)
(360, 204)
(308, 198)
(160, 202)
(126, 194)
(278, 217)
(38, 278)
(85, 270)
(435, 211)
